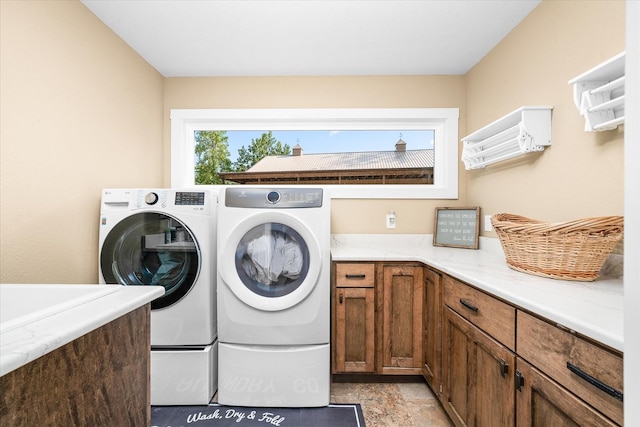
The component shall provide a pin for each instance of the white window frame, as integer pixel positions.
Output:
(184, 122)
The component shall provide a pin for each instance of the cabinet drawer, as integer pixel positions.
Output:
(495, 317)
(590, 372)
(355, 275)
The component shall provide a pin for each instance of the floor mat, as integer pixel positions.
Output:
(213, 415)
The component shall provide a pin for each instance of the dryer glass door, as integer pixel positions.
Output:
(151, 249)
(272, 260)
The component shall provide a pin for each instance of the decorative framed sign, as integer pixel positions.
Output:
(457, 227)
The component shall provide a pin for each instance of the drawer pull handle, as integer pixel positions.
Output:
(595, 382)
(341, 298)
(519, 380)
(504, 368)
(355, 276)
(469, 305)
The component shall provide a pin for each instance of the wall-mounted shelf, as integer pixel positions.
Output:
(525, 130)
(599, 94)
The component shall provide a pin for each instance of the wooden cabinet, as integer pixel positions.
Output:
(591, 373)
(478, 370)
(543, 402)
(401, 301)
(377, 318)
(489, 362)
(432, 330)
(354, 318)
(503, 366)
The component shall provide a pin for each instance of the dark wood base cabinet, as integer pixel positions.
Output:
(542, 402)
(377, 318)
(591, 373)
(491, 363)
(478, 385)
(99, 379)
(502, 366)
(353, 319)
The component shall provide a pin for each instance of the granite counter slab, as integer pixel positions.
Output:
(593, 309)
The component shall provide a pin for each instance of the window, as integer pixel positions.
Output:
(443, 122)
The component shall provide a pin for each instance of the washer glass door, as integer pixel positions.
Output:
(272, 260)
(154, 249)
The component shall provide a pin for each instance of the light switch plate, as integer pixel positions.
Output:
(487, 223)
(391, 220)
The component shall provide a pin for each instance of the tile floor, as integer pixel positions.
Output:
(393, 404)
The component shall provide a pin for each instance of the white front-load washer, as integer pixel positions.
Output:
(273, 296)
(167, 237)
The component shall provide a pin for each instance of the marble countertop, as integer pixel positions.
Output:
(593, 309)
(25, 338)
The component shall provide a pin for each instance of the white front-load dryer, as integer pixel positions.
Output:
(167, 237)
(273, 296)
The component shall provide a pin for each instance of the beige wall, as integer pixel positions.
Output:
(79, 111)
(581, 173)
(348, 216)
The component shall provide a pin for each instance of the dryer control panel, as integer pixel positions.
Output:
(273, 198)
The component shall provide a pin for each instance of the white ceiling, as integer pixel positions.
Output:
(188, 38)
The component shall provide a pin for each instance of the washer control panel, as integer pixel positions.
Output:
(274, 198)
(164, 198)
(190, 198)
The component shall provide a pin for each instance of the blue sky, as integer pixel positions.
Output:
(324, 141)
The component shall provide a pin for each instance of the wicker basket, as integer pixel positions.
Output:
(573, 250)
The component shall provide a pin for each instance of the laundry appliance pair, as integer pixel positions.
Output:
(167, 237)
(246, 274)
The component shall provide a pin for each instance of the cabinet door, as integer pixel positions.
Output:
(541, 402)
(478, 374)
(432, 330)
(402, 299)
(354, 330)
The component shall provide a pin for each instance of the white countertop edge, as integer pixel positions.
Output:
(29, 342)
(593, 309)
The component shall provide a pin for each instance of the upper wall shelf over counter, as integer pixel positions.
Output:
(525, 130)
(599, 94)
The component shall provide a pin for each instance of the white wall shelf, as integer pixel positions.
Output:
(599, 94)
(525, 130)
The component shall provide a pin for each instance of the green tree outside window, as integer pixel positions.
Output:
(260, 148)
(212, 156)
